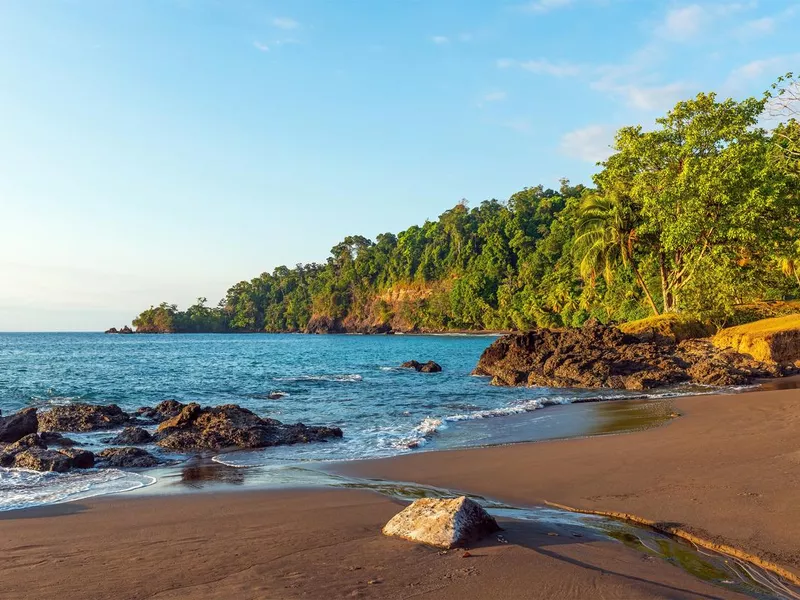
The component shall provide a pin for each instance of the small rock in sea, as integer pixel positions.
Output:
(162, 411)
(131, 436)
(275, 395)
(54, 438)
(131, 458)
(81, 459)
(442, 522)
(466, 554)
(428, 367)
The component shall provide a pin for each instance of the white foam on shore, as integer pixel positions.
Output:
(349, 378)
(20, 488)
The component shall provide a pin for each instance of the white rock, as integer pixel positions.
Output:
(444, 523)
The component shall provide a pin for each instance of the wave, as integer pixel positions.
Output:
(350, 378)
(20, 488)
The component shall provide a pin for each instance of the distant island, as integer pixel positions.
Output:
(699, 216)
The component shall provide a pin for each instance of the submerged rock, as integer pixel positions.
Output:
(444, 523)
(596, 356)
(130, 458)
(230, 426)
(428, 367)
(18, 425)
(131, 436)
(82, 417)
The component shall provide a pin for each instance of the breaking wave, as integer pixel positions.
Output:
(350, 378)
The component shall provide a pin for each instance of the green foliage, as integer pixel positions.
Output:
(697, 216)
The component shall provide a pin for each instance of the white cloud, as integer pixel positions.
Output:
(541, 66)
(496, 96)
(645, 97)
(766, 68)
(543, 6)
(683, 23)
(545, 67)
(440, 39)
(285, 23)
(592, 143)
(261, 46)
(757, 27)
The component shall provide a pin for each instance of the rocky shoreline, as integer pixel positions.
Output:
(34, 440)
(598, 356)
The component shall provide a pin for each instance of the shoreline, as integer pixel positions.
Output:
(723, 472)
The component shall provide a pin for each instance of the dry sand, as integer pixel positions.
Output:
(728, 468)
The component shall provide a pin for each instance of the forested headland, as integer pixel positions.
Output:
(697, 216)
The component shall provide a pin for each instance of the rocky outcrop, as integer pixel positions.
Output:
(444, 523)
(325, 324)
(428, 367)
(32, 453)
(124, 329)
(161, 411)
(131, 436)
(231, 426)
(596, 356)
(82, 417)
(53, 438)
(18, 425)
(127, 458)
(775, 340)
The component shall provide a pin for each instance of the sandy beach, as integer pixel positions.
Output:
(727, 469)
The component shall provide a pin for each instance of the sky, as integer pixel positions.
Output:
(161, 150)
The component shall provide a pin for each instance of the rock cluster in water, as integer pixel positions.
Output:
(125, 329)
(442, 522)
(598, 356)
(26, 437)
(428, 367)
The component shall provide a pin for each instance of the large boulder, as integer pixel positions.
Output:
(231, 426)
(82, 417)
(32, 453)
(18, 425)
(81, 459)
(596, 356)
(53, 438)
(126, 458)
(39, 459)
(444, 523)
(428, 367)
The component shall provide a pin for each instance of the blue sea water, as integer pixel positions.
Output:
(353, 382)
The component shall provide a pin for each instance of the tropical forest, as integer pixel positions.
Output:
(698, 215)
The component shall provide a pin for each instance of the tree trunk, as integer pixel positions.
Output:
(643, 285)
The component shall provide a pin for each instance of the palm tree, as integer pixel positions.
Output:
(606, 238)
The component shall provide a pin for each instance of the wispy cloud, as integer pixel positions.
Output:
(760, 69)
(541, 66)
(683, 23)
(261, 46)
(592, 143)
(643, 96)
(544, 6)
(440, 39)
(495, 96)
(285, 23)
(757, 27)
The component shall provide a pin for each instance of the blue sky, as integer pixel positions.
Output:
(164, 149)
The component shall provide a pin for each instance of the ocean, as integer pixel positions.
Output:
(350, 381)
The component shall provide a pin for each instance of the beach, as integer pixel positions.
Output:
(726, 470)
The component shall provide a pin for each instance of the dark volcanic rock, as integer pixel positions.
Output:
(18, 425)
(131, 436)
(161, 411)
(596, 356)
(38, 459)
(53, 438)
(130, 458)
(30, 452)
(231, 426)
(428, 367)
(125, 329)
(324, 324)
(82, 417)
(81, 459)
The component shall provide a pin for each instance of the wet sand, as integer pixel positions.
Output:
(728, 469)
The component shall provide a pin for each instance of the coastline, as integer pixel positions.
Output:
(725, 471)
